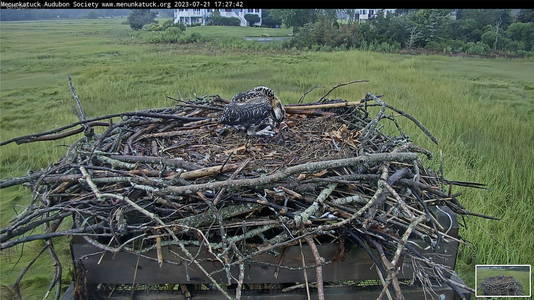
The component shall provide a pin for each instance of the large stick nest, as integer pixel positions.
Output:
(501, 286)
(170, 177)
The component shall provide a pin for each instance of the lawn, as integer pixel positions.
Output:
(480, 110)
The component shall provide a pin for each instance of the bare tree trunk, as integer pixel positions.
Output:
(497, 25)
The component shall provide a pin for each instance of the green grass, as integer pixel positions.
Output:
(522, 277)
(480, 111)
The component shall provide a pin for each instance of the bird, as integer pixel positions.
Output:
(250, 109)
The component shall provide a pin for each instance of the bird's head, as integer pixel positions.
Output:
(265, 90)
(278, 110)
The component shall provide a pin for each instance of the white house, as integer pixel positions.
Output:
(368, 14)
(192, 16)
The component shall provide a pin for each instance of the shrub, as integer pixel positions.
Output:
(327, 48)
(182, 26)
(216, 19)
(488, 38)
(167, 24)
(456, 45)
(477, 48)
(433, 46)
(252, 18)
(525, 53)
(195, 37)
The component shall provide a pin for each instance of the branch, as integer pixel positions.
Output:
(310, 167)
(339, 85)
(297, 108)
(319, 270)
(32, 137)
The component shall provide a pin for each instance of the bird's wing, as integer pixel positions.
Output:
(245, 114)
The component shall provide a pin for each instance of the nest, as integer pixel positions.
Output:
(501, 286)
(172, 177)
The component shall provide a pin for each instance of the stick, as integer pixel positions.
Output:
(304, 270)
(291, 109)
(308, 91)
(339, 85)
(404, 114)
(82, 113)
(16, 285)
(31, 137)
(286, 172)
(232, 177)
(319, 270)
(240, 281)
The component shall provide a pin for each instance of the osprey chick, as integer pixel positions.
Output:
(252, 108)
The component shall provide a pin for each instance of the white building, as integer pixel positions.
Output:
(201, 16)
(369, 14)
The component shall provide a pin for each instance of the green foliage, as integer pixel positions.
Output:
(525, 16)
(217, 20)
(268, 19)
(433, 24)
(92, 14)
(434, 46)
(140, 17)
(488, 38)
(252, 18)
(195, 37)
(169, 23)
(477, 48)
(295, 18)
(383, 47)
(232, 21)
(522, 32)
(466, 30)
(170, 35)
(327, 34)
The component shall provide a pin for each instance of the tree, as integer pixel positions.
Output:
(268, 20)
(215, 18)
(140, 17)
(523, 33)
(295, 17)
(482, 17)
(252, 18)
(351, 13)
(93, 15)
(525, 16)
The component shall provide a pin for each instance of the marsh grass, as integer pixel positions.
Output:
(480, 111)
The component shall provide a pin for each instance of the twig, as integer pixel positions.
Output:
(340, 85)
(16, 285)
(298, 108)
(304, 270)
(286, 172)
(308, 91)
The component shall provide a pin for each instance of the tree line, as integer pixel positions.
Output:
(476, 31)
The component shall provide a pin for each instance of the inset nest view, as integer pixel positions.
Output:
(503, 280)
